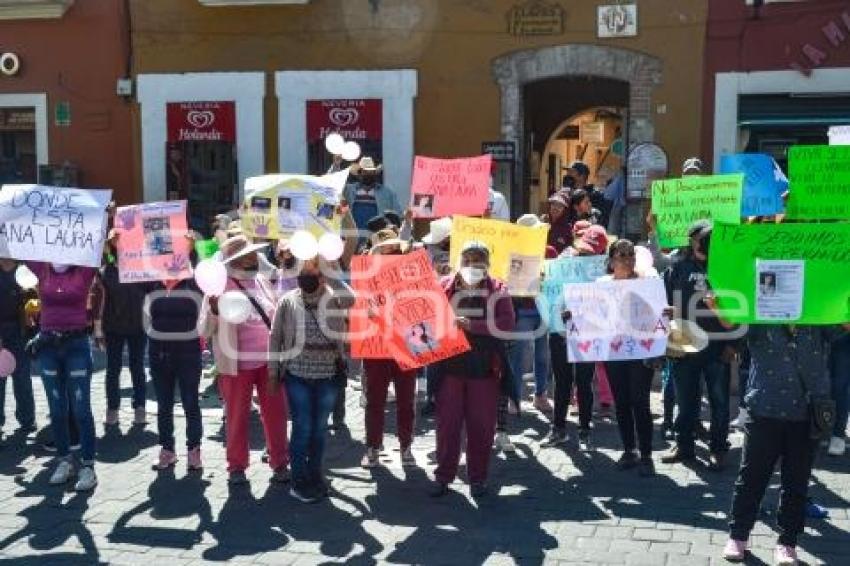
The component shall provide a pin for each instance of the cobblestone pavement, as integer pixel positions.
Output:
(557, 506)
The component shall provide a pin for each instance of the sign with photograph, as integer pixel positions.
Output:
(152, 245)
(618, 20)
(442, 187)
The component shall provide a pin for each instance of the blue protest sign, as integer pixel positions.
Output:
(764, 182)
(560, 272)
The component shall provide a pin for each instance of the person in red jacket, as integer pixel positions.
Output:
(469, 384)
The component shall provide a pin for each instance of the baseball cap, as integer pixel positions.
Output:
(700, 229)
(594, 240)
(581, 168)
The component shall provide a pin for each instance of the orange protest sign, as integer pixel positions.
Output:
(152, 245)
(442, 187)
(400, 299)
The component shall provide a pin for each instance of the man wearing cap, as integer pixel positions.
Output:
(469, 384)
(241, 354)
(687, 287)
(579, 172)
(367, 197)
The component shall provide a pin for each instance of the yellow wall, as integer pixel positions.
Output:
(451, 43)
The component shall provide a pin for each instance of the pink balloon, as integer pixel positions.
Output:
(7, 363)
(211, 277)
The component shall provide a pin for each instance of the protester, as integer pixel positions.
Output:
(122, 324)
(615, 195)
(497, 205)
(581, 208)
(560, 227)
(12, 338)
(468, 391)
(840, 373)
(379, 374)
(367, 197)
(579, 172)
(306, 349)
(241, 357)
(63, 351)
(686, 284)
(593, 242)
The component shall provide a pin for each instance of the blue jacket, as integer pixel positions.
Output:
(385, 197)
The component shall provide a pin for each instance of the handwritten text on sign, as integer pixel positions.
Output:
(442, 187)
(678, 203)
(820, 182)
(53, 224)
(560, 272)
(152, 245)
(616, 320)
(764, 183)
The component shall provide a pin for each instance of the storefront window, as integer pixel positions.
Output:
(17, 145)
(358, 120)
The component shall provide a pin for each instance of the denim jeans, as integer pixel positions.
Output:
(310, 402)
(114, 362)
(173, 364)
(528, 322)
(66, 370)
(687, 375)
(840, 372)
(13, 340)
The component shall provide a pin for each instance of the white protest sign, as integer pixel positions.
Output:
(53, 224)
(616, 320)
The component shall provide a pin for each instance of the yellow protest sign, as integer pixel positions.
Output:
(276, 206)
(516, 252)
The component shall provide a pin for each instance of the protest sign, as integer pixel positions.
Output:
(516, 252)
(558, 273)
(442, 187)
(401, 312)
(747, 278)
(678, 203)
(54, 224)
(764, 183)
(152, 243)
(616, 320)
(277, 206)
(820, 182)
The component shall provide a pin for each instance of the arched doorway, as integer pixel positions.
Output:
(558, 83)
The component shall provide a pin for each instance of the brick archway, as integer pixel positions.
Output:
(513, 71)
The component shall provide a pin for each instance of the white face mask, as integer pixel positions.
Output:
(60, 267)
(472, 275)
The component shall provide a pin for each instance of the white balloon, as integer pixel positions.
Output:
(211, 277)
(335, 143)
(303, 245)
(351, 151)
(643, 259)
(331, 246)
(25, 278)
(234, 307)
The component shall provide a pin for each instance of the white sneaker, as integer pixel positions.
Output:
(64, 471)
(739, 422)
(87, 479)
(503, 443)
(837, 446)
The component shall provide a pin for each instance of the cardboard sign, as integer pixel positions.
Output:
(558, 273)
(277, 206)
(747, 278)
(516, 252)
(678, 203)
(400, 303)
(442, 187)
(764, 183)
(53, 224)
(152, 245)
(820, 182)
(616, 320)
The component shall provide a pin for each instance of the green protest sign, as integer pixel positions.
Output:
(772, 273)
(820, 182)
(678, 203)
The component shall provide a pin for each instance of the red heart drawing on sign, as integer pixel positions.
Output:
(343, 117)
(584, 346)
(616, 344)
(647, 344)
(200, 118)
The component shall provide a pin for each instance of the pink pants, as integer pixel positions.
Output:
(237, 391)
(603, 389)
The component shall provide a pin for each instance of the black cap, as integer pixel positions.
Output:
(700, 229)
(377, 223)
(581, 168)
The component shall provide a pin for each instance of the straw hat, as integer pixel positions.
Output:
(529, 221)
(685, 337)
(366, 165)
(238, 246)
(386, 238)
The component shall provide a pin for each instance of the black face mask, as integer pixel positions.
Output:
(289, 262)
(704, 245)
(369, 181)
(308, 283)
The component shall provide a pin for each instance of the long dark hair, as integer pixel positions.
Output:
(576, 197)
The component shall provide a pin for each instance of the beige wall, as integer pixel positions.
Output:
(451, 43)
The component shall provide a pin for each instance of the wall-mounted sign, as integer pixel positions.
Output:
(500, 150)
(356, 120)
(536, 18)
(201, 121)
(647, 163)
(619, 20)
(592, 132)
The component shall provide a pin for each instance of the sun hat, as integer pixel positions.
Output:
(386, 238)
(686, 337)
(529, 221)
(239, 246)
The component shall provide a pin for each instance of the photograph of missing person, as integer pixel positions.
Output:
(284, 203)
(157, 231)
(325, 210)
(524, 273)
(261, 204)
(424, 204)
(767, 284)
(420, 338)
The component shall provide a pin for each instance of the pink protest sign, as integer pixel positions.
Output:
(442, 187)
(152, 243)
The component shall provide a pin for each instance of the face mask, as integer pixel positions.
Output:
(60, 267)
(308, 283)
(472, 275)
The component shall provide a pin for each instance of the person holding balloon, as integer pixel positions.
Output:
(236, 313)
(15, 281)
